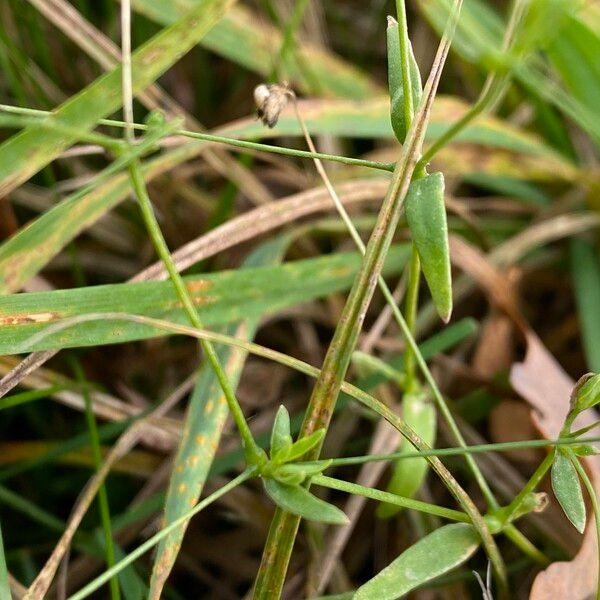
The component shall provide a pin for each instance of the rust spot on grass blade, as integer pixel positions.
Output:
(198, 285)
(43, 317)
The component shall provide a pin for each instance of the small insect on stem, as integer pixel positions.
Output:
(271, 100)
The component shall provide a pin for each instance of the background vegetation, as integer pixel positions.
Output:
(453, 201)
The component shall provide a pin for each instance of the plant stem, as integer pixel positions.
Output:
(530, 486)
(219, 139)
(360, 490)
(254, 454)
(103, 504)
(594, 500)
(410, 309)
(475, 449)
(151, 542)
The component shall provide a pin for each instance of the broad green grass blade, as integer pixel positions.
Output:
(574, 54)
(204, 423)
(585, 268)
(253, 43)
(27, 152)
(222, 298)
(432, 556)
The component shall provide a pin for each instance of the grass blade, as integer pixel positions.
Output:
(221, 298)
(27, 152)
(432, 556)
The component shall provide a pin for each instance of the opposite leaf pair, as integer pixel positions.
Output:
(283, 478)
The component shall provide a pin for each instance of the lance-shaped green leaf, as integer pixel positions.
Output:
(426, 217)
(432, 556)
(281, 438)
(567, 488)
(27, 152)
(419, 413)
(222, 298)
(204, 424)
(303, 445)
(299, 501)
(395, 75)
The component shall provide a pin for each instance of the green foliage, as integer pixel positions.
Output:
(299, 501)
(221, 298)
(426, 217)
(418, 413)
(430, 557)
(567, 488)
(395, 80)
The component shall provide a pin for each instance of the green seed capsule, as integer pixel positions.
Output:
(426, 217)
(397, 113)
(409, 473)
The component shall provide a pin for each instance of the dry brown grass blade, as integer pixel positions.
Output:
(107, 54)
(266, 218)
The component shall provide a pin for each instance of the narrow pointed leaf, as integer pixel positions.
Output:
(303, 445)
(281, 439)
(567, 489)
(409, 473)
(299, 501)
(432, 556)
(426, 217)
(395, 83)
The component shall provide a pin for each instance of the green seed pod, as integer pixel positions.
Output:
(426, 217)
(397, 113)
(409, 473)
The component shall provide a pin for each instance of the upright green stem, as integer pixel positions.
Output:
(530, 486)
(410, 309)
(494, 87)
(254, 454)
(103, 504)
